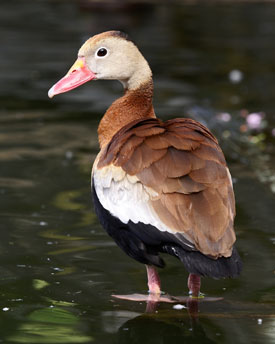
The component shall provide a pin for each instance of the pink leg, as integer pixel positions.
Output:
(153, 280)
(194, 285)
(154, 296)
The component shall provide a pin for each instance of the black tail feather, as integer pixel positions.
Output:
(197, 263)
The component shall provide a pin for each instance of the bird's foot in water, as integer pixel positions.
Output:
(152, 301)
(162, 297)
(150, 297)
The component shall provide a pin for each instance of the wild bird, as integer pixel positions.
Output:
(158, 187)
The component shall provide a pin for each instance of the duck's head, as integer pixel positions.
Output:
(110, 56)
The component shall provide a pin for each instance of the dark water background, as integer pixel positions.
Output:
(58, 268)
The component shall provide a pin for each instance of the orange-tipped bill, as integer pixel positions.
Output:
(76, 76)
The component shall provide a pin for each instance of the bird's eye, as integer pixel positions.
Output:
(101, 52)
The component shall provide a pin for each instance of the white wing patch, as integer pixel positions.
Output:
(125, 197)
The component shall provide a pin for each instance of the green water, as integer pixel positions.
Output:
(58, 268)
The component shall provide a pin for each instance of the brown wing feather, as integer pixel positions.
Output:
(142, 157)
(182, 161)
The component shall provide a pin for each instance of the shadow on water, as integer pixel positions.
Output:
(58, 270)
(178, 326)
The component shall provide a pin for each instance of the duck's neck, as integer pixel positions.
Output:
(135, 104)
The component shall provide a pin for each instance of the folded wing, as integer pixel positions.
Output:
(173, 176)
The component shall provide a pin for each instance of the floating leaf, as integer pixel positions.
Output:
(50, 326)
(53, 234)
(71, 249)
(39, 284)
(88, 218)
(54, 315)
(65, 200)
(60, 303)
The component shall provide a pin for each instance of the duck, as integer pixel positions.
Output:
(159, 187)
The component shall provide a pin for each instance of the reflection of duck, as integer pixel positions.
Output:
(162, 328)
(157, 186)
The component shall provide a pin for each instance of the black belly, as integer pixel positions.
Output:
(144, 243)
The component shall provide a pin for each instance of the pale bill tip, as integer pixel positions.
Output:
(51, 92)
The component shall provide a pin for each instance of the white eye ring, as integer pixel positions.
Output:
(101, 52)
